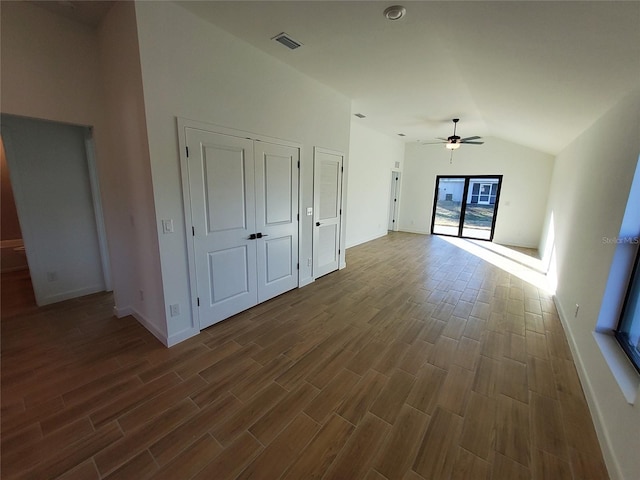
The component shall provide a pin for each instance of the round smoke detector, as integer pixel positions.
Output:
(395, 12)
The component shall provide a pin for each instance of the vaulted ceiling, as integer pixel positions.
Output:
(534, 73)
(537, 73)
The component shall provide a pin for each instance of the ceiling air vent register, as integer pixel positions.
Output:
(287, 41)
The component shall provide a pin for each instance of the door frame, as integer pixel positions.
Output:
(394, 206)
(17, 179)
(463, 206)
(182, 125)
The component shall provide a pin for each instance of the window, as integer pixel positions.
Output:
(628, 331)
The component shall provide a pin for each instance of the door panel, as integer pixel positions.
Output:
(327, 201)
(276, 218)
(327, 237)
(221, 180)
(225, 190)
(278, 257)
(228, 273)
(278, 174)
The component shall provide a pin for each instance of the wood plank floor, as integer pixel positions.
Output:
(417, 361)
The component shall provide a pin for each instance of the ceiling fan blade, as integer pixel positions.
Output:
(472, 143)
(443, 139)
(470, 138)
(433, 143)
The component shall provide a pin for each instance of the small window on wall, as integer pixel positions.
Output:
(628, 331)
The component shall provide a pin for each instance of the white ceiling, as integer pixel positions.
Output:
(534, 73)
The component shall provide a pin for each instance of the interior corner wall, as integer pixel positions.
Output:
(194, 70)
(372, 158)
(49, 70)
(589, 192)
(128, 173)
(523, 197)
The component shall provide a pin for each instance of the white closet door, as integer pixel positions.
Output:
(327, 188)
(276, 218)
(221, 181)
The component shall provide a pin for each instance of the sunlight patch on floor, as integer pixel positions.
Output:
(526, 268)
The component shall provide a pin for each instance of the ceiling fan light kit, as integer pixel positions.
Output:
(454, 141)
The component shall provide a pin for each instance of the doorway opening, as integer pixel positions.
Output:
(466, 206)
(15, 278)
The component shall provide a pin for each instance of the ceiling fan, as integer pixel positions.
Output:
(454, 141)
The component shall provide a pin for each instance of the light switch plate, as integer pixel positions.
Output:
(167, 226)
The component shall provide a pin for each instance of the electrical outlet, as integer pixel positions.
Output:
(309, 262)
(174, 309)
(577, 308)
(52, 276)
(141, 296)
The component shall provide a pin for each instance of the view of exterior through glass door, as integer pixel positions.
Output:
(466, 206)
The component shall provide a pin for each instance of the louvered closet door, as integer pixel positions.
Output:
(327, 188)
(221, 181)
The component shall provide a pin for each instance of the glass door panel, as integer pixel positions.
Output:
(480, 208)
(448, 206)
(466, 206)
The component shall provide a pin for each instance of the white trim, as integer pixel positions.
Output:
(368, 239)
(181, 336)
(620, 366)
(130, 311)
(306, 281)
(606, 446)
(69, 294)
(395, 205)
(96, 198)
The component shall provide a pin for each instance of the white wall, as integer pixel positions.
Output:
(49, 70)
(127, 176)
(57, 69)
(194, 70)
(372, 158)
(523, 198)
(50, 66)
(588, 196)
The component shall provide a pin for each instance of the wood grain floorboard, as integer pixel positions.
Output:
(419, 361)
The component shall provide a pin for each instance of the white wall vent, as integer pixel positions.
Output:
(287, 41)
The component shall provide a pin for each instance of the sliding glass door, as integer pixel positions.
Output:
(466, 206)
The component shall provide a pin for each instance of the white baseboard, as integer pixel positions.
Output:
(366, 239)
(69, 294)
(305, 281)
(419, 232)
(126, 311)
(182, 335)
(603, 437)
